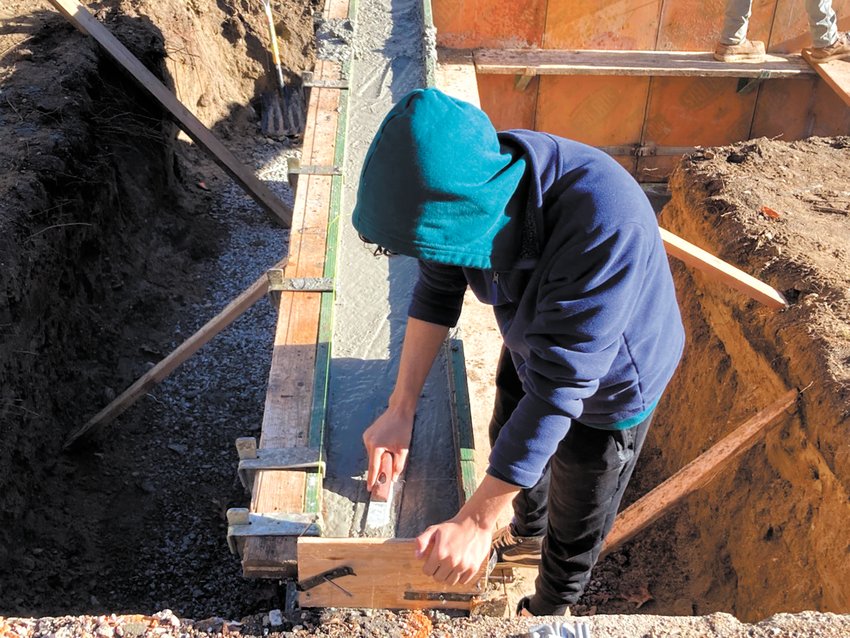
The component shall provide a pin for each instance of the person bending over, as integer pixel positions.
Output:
(563, 243)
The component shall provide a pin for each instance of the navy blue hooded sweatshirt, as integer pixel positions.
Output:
(580, 286)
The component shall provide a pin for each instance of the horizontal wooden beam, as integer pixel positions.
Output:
(716, 268)
(387, 575)
(696, 473)
(836, 74)
(80, 17)
(646, 63)
(161, 370)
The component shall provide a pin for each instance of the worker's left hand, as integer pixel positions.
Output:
(454, 550)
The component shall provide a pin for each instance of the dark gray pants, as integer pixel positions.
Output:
(576, 500)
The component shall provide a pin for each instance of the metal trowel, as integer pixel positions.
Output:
(381, 500)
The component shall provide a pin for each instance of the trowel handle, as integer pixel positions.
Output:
(381, 491)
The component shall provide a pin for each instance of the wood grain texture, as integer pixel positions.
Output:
(78, 15)
(289, 396)
(590, 24)
(385, 568)
(643, 63)
(696, 473)
(720, 270)
(835, 73)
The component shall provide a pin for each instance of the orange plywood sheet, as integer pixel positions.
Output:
(831, 116)
(606, 24)
(784, 109)
(601, 111)
(695, 25)
(504, 104)
(464, 24)
(691, 111)
(790, 31)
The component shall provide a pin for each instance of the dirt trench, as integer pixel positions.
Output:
(769, 534)
(110, 235)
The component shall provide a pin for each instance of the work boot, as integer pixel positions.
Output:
(838, 50)
(746, 51)
(517, 551)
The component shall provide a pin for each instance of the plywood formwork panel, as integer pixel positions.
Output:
(506, 106)
(693, 111)
(466, 24)
(606, 24)
(830, 115)
(790, 31)
(600, 111)
(695, 25)
(785, 109)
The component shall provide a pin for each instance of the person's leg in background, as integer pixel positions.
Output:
(734, 45)
(827, 43)
(588, 476)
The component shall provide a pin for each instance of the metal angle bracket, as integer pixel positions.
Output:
(242, 523)
(308, 79)
(294, 167)
(278, 284)
(252, 459)
(746, 85)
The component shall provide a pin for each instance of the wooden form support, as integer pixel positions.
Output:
(531, 62)
(697, 473)
(716, 268)
(294, 415)
(80, 17)
(161, 370)
(836, 74)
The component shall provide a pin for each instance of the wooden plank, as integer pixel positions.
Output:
(161, 370)
(696, 474)
(290, 397)
(455, 76)
(385, 569)
(640, 63)
(716, 268)
(461, 411)
(80, 17)
(836, 74)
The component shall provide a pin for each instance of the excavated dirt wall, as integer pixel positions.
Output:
(768, 535)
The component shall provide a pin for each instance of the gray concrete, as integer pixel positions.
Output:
(372, 299)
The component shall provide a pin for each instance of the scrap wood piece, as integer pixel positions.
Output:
(835, 73)
(161, 370)
(387, 575)
(717, 268)
(632, 63)
(80, 17)
(695, 474)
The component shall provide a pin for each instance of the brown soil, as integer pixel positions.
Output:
(106, 242)
(768, 534)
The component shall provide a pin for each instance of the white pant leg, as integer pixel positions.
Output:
(737, 20)
(822, 22)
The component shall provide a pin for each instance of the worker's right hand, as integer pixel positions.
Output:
(391, 432)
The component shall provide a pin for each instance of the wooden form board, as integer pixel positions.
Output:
(387, 575)
(644, 63)
(835, 73)
(295, 397)
(696, 474)
(650, 111)
(80, 17)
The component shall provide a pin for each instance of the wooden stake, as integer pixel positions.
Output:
(718, 269)
(80, 17)
(161, 370)
(695, 474)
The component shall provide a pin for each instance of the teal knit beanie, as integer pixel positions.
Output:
(436, 184)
